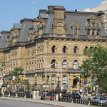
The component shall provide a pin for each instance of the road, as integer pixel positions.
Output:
(10, 103)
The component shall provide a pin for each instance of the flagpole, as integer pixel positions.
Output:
(33, 4)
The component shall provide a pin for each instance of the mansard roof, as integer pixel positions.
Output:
(17, 26)
(71, 18)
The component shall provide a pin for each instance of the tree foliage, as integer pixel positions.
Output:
(96, 64)
(16, 71)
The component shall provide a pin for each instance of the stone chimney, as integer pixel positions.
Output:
(58, 19)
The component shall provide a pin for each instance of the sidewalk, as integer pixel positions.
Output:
(56, 103)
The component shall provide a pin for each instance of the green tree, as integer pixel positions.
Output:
(96, 66)
(17, 71)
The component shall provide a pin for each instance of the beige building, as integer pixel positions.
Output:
(51, 47)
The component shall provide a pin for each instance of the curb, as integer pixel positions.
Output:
(54, 103)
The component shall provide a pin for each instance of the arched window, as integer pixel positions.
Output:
(91, 50)
(75, 80)
(85, 50)
(75, 49)
(53, 63)
(64, 64)
(75, 64)
(53, 49)
(64, 49)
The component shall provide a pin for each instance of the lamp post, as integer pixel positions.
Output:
(61, 77)
(45, 85)
(61, 80)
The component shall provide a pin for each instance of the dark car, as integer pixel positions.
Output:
(76, 96)
(70, 96)
(21, 94)
(28, 94)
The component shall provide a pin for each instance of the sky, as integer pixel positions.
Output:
(12, 11)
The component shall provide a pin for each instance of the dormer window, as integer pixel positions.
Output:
(98, 32)
(75, 29)
(88, 31)
(93, 32)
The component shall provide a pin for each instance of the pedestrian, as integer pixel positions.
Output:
(51, 98)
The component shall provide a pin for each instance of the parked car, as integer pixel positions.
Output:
(28, 94)
(76, 96)
(70, 96)
(99, 100)
(21, 94)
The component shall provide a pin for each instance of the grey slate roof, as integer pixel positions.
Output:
(75, 18)
(17, 26)
(103, 31)
(4, 37)
(43, 14)
(71, 18)
(48, 27)
(24, 32)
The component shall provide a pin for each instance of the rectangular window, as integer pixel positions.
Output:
(64, 80)
(93, 31)
(53, 80)
(88, 31)
(98, 32)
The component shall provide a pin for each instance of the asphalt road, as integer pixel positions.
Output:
(10, 103)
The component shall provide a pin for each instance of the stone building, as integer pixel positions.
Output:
(51, 47)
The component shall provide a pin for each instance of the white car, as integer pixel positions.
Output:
(99, 100)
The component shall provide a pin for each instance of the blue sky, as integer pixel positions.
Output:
(12, 11)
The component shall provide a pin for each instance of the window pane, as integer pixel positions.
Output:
(64, 80)
(75, 64)
(64, 64)
(75, 49)
(53, 80)
(64, 49)
(53, 49)
(53, 63)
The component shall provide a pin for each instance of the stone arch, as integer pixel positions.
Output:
(75, 63)
(50, 62)
(64, 62)
(53, 49)
(53, 44)
(75, 49)
(64, 45)
(85, 50)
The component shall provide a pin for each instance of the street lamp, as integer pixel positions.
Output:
(61, 82)
(45, 85)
